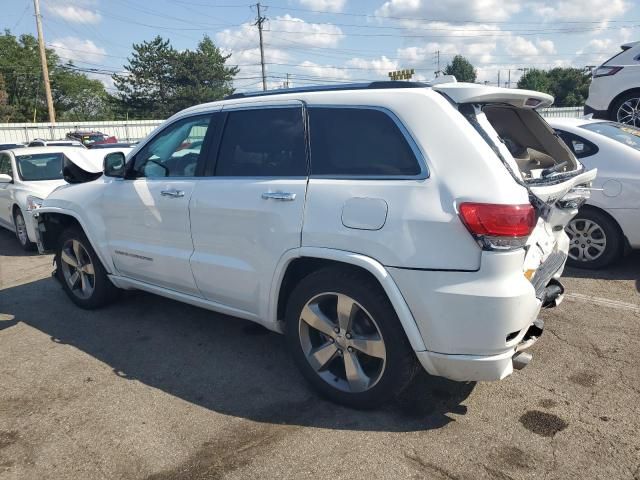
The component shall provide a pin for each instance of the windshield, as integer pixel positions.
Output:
(43, 166)
(625, 134)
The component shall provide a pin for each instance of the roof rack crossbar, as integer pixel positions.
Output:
(322, 88)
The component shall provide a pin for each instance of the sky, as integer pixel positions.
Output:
(329, 41)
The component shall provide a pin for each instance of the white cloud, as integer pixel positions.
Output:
(579, 9)
(381, 66)
(451, 10)
(77, 50)
(546, 46)
(519, 46)
(323, 71)
(78, 11)
(324, 5)
(281, 31)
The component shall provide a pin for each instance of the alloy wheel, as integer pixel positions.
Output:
(342, 342)
(629, 112)
(587, 240)
(77, 269)
(21, 229)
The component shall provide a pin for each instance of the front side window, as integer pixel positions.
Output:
(174, 152)
(265, 142)
(358, 141)
(41, 166)
(625, 134)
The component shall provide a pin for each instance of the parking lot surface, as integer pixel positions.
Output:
(154, 389)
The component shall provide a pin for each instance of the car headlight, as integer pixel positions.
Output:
(33, 203)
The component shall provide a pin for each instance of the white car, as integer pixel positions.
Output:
(27, 175)
(38, 142)
(610, 221)
(614, 93)
(377, 225)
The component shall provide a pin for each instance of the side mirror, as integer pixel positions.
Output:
(4, 178)
(113, 165)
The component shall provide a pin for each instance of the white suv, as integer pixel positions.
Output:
(374, 224)
(614, 93)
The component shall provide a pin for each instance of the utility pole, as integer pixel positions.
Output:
(509, 81)
(43, 60)
(437, 55)
(259, 21)
(498, 77)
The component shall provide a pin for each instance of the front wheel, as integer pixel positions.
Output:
(347, 340)
(595, 240)
(21, 231)
(81, 273)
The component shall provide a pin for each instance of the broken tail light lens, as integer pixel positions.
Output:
(499, 227)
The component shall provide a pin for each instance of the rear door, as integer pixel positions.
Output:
(248, 209)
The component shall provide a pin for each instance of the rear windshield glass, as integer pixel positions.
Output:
(625, 134)
(43, 166)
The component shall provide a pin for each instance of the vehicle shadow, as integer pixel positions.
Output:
(627, 268)
(222, 363)
(9, 246)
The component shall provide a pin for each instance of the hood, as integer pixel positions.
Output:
(87, 160)
(43, 188)
(476, 93)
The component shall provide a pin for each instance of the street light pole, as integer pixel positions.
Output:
(43, 61)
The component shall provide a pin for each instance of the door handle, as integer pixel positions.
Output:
(172, 193)
(282, 196)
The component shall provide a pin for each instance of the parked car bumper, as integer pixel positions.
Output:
(604, 114)
(472, 323)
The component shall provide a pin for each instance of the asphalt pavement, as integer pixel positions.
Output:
(154, 389)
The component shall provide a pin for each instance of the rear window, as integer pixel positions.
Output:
(265, 142)
(43, 166)
(358, 141)
(625, 134)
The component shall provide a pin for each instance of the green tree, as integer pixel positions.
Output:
(202, 76)
(161, 81)
(6, 110)
(75, 96)
(569, 86)
(462, 69)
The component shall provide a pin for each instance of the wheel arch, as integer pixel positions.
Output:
(618, 97)
(51, 224)
(296, 264)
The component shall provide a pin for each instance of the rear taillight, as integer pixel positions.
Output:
(499, 227)
(605, 71)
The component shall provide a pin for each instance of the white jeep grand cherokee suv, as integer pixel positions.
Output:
(374, 224)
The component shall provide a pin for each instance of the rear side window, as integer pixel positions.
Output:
(265, 142)
(580, 147)
(358, 141)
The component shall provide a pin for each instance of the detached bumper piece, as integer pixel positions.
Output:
(521, 358)
(549, 290)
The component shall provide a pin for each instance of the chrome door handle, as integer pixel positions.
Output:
(282, 196)
(172, 193)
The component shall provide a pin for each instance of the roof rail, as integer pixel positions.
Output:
(323, 88)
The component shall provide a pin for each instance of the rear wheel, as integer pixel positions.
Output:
(347, 340)
(627, 109)
(595, 240)
(21, 231)
(82, 275)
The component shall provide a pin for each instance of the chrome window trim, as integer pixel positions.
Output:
(413, 145)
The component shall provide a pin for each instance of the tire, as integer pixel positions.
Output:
(86, 289)
(595, 240)
(371, 325)
(21, 231)
(627, 109)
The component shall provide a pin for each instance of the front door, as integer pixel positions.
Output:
(5, 191)
(146, 215)
(248, 210)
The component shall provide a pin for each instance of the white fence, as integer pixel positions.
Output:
(133, 130)
(128, 131)
(565, 112)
